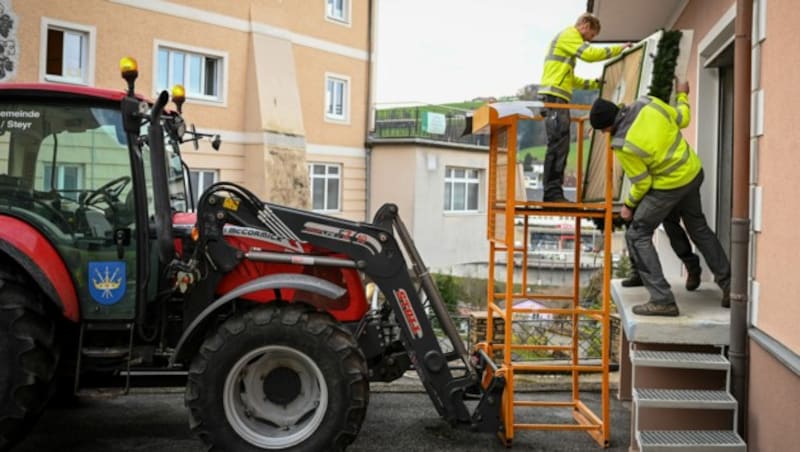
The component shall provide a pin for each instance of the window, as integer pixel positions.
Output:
(201, 180)
(461, 189)
(67, 179)
(199, 73)
(67, 52)
(336, 98)
(338, 10)
(325, 186)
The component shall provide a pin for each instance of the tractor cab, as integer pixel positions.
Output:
(89, 170)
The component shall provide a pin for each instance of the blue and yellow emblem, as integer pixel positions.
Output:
(107, 281)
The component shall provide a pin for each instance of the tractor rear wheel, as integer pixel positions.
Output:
(278, 377)
(28, 358)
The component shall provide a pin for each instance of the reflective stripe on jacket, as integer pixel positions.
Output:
(558, 77)
(651, 149)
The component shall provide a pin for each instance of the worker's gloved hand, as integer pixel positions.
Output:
(681, 87)
(626, 213)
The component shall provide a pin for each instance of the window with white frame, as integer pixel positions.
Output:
(67, 52)
(201, 180)
(336, 97)
(338, 10)
(326, 186)
(200, 73)
(461, 189)
(66, 178)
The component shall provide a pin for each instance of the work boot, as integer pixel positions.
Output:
(726, 299)
(657, 309)
(692, 281)
(557, 198)
(633, 281)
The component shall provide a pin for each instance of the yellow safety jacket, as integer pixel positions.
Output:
(558, 77)
(649, 145)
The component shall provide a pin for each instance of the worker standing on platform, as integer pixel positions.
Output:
(558, 81)
(665, 175)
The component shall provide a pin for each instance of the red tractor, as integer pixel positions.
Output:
(110, 277)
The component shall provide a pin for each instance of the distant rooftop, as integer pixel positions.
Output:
(442, 125)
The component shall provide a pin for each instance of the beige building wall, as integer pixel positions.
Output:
(772, 386)
(392, 180)
(276, 56)
(413, 177)
(699, 16)
(773, 392)
(778, 165)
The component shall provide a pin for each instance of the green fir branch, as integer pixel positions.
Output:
(664, 65)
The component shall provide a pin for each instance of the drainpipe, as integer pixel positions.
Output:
(740, 224)
(372, 13)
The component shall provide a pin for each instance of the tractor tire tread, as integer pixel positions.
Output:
(295, 315)
(32, 357)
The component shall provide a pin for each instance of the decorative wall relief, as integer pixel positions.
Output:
(8, 41)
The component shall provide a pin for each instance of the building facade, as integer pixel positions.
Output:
(420, 161)
(772, 380)
(285, 83)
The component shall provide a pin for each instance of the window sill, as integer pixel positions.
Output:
(208, 101)
(463, 213)
(339, 121)
(65, 80)
(343, 22)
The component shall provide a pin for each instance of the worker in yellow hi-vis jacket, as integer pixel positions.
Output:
(558, 81)
(665, 175)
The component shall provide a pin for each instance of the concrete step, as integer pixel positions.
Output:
(690, 441)
(681, 360)
(684, 398)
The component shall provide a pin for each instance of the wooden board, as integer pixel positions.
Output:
(621, 84)
(626, 78)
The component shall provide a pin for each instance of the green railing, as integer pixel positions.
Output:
(431, 122)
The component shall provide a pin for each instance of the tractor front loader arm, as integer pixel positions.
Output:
(373, 249)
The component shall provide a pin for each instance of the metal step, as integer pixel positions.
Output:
(681, 360)
(105, 352)
(689, 440)
(101, 393)
(108, 326)
(684, 398)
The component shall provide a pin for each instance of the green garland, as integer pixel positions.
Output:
(664, 65)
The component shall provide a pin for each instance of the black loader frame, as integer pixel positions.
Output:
(374, 249)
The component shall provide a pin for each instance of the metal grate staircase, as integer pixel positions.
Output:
(688, 399)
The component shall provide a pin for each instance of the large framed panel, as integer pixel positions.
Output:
(625, 78)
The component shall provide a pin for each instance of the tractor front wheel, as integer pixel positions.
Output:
(278, 377)
(28, 358)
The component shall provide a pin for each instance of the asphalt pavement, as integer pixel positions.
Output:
(399, 419)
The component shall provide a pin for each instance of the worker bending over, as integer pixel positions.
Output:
(665, 175)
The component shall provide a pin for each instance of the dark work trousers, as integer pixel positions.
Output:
(557, 126)
(679, 242)
(654, 207)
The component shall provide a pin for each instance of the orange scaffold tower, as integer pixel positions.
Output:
(508, 212)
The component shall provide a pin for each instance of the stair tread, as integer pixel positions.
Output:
(685, 394)
(686, 360)
(684, 398)
(681, 438)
